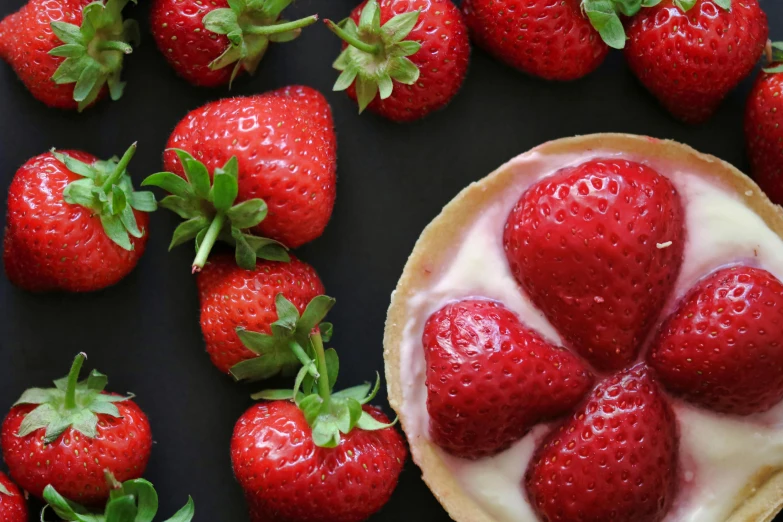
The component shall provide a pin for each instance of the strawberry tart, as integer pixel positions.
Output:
(594, 333)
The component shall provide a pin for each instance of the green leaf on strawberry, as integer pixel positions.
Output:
(95, 51)
(328, 413)
(604, 15)
(107, 190)
(286, 348)
(131, 501)
(211, 213)
(376, 55)
(70, 404)
(774, 57)
(687, 5)
(249, 26)
(4, 490)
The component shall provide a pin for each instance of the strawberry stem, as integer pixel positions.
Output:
(351, 40)
(323, 380)
(73, 379)
(111, 480)
(281, 28)
(121, 167)
(209, 241)
(303, 358)
(115, 45)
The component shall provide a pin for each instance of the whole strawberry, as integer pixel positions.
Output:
(764, 126)
(598, 248)
(68, 436)
(68, 53)
(552, 40)
(272, 159)
(490, 379)
(239, 312)
(721, 348)
(74, 223)
(691, 53)
(402, 58)
(210, 43)
(136, 500)
(13, 507)
(614, 459)
(320, 456)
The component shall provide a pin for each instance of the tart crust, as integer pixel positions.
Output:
(759, 501)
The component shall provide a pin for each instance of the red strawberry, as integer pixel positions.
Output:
(403, 58)
(691, 60)
(312, 454)
(723, 347)
(490, 379)
(191, 34)
(232, 297)
(68, 436)
(13, 507)
(553, 40)
(764, 126)
(286, 155)
(74, 223)
(615, 459)
(50, 52)
(287, 478)
(598, 248)
(137, 497)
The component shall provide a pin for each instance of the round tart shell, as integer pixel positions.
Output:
(759, 501)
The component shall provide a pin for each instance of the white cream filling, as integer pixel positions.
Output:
(718, 454)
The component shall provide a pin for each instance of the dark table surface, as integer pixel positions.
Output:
(393, 179)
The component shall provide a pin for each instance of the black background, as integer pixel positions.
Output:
(393, 179)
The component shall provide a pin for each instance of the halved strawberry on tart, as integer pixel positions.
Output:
(594, 332)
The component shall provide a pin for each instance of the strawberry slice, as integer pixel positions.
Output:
(723, 347)
(614, 459)
(598, 248)
(490, 379)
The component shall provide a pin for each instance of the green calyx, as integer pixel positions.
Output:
(95, 51)
(687, 5)
(328, 413)
(604, 15)
(774, 57)
(250, 25)
(107, 190)
(4, 490)
(211, 213)
(131, 501)
(286, 348)
(70, 404)
(376, 56)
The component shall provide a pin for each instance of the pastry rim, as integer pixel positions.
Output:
(763, 497)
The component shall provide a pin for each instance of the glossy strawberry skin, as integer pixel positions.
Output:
(614, 459)
(583, 244)
(187, 45)
(552, 40)
(74, 464)
(286, 478)
(722, 348)
(26, 38)
(13, 507)
(691, 61)
(287, 151)
(442, 60)
(232, 297)
(52, 245)
(490, 379)
(764, 133)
